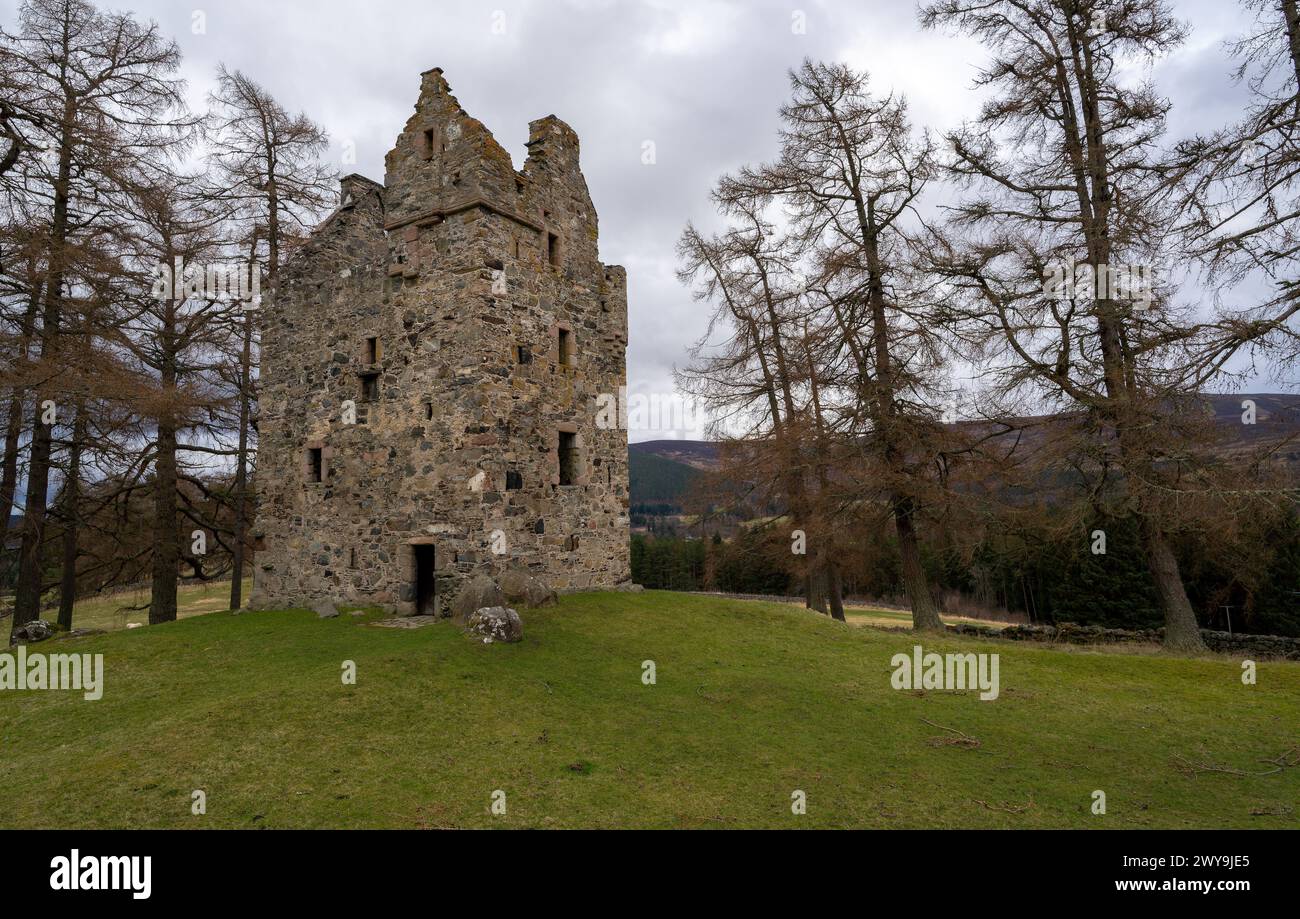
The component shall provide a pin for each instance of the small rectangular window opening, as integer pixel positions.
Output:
(568, 458)
(565, 348)
(372, 350)
(370, 387)
(315, 465)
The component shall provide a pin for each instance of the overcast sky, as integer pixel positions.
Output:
(702, 79)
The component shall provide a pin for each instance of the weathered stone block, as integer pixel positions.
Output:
(493, 624)
(522, 588)
(478, 592)
(32, 632)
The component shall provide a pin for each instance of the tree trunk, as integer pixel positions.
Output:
(27, 596)
(1292, 17)
(1182, 634)
(1181, 630)
(925, 615)
(166, 552)
(14, 430)
(241, 472)
(71, 511)
(9, 475)
(835, 592)
(816, 589)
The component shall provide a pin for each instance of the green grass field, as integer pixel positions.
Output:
(752, 702)
(116, 611)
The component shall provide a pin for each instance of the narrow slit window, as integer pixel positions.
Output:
(372, 350)
(568, 458)
(514, 480)
(428, 411)
(352, 559)
(315, 465)
(564, 348)
(370, 388)
(553, 249)
(428, 144)
(523, 355)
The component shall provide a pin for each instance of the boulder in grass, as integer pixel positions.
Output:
(479, 592)
(32, 632)
(496, 623)
(521, 587)
(325, 609)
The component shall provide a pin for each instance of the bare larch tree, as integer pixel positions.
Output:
(847, 179)
(102, 89)
(1064, 259)
(266, 168)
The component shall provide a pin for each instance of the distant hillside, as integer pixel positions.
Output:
(662, 470)
(701, 454)
(656, 479)
(1274, 409)
(1276, 417)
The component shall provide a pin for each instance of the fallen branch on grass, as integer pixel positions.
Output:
(1279, 810)
(1007, 808)
(1288, 760)
(962, 739)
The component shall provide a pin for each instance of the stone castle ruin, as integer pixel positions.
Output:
(431, 369)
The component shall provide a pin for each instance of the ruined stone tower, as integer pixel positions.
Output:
(431, 368)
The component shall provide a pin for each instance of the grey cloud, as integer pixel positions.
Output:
(701, 78)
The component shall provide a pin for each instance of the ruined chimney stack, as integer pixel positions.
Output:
(553, 143)
(354, 187)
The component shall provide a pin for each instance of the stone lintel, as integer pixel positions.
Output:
(439, 214)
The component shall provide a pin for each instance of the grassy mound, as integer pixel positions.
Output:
(752, 702)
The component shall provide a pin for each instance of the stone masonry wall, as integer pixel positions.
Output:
(466, 275)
